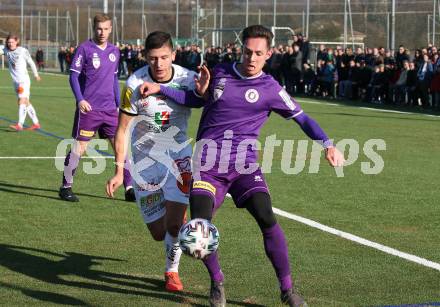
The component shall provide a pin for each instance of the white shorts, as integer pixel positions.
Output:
(23, 89)
(160, 185)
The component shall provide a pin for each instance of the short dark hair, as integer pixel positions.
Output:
(158, 39)
(100, 18)
(257, 31)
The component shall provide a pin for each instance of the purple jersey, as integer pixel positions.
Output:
(241, 105)
(97, 68)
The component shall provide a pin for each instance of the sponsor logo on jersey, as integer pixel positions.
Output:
(287, 100)
(96, 61)
(252, 95)
(258, 178)
(219, 88)
(86, 133)
(112, 57)
(150, 200)
(78, 61)
(204, 185)
(162, 118)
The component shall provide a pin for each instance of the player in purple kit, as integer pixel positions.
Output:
(240, 98)
(94, 82)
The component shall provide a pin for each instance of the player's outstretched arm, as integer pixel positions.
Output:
(120, 153)
(187, 98)
(315, 132)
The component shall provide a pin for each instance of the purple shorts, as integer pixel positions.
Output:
(240, 186)
(85, 125)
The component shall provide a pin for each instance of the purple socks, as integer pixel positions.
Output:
(276, 250)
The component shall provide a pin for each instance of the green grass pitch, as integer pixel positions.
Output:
(98, 252)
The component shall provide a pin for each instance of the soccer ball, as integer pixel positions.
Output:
(198, 238)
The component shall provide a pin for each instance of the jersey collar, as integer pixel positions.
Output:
(162, 82)
(234, 67)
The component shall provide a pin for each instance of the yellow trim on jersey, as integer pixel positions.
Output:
(127, 92)
(205, 186)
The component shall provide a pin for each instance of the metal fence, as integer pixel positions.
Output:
(413, 23)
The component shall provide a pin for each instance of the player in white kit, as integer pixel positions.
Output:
(161, 154)
(18, 59)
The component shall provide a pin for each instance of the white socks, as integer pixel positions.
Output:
(173, 253)
(22, 110)
(32, 114)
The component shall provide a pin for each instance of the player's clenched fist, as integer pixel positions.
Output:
(149, 88)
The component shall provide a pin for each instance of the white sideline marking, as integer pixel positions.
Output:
(362, 241)
(40, 88)
(51, 158)
(370, 109)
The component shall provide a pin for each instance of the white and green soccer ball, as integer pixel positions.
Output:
(198, 238)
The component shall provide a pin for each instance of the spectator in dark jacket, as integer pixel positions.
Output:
(401, 56)
(39, 58)
(424, 77)
(62, 58)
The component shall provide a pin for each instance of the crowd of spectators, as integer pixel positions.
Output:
(373, 75)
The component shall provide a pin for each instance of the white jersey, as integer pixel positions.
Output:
(161, 159)
(18, 60)
(157, 113)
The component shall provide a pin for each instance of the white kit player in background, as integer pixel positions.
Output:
(18, 59)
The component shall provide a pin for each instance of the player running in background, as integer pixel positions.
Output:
(18, 59)
(156, 128)
(240, 99)
(94, 82)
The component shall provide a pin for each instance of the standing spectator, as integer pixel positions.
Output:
(296, 62)
(322, 53)
(328, 79)
(287, 72)
(69, 56)
(435, 84)
(274, 64)
(377, 86)
(401, 56)
(400, 88)
(424, 77)
(309, 79)
(411, 82)
(359, 56)
(62, 58)
(39, 58)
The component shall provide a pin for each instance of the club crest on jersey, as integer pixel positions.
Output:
(112, 57)
(252, 95)
(219, 88)
(96, 61)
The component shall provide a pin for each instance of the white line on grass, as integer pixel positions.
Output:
(359, 240)
(370, 109)
(41, 87)
(51, 158)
